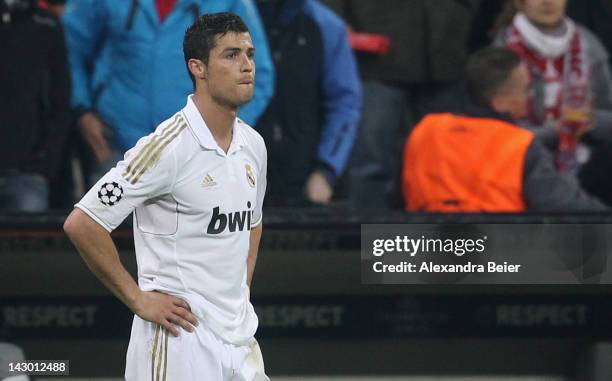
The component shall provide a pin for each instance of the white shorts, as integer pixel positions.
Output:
(155, 355)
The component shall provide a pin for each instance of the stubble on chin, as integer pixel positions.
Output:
(233, 102)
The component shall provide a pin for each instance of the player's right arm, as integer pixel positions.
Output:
(148, 171)
(97, 249)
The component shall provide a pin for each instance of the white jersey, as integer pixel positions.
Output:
(194, 206)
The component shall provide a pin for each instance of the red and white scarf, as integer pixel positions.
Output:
(561, 61)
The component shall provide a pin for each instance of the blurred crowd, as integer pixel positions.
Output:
(416, 105)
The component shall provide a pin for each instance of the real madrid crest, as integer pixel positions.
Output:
(250, 175)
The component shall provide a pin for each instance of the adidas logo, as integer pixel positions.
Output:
(208, 181)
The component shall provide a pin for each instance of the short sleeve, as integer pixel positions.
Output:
(261, 188)
(147, 171)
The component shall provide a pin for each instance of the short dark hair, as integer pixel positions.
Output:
(200, 37)
(487, 71)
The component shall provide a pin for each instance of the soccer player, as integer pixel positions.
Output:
(196, 187)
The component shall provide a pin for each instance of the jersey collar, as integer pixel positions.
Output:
(203, 134)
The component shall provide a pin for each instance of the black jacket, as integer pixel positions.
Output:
(311, 122)
(34, 92)
(429, 38)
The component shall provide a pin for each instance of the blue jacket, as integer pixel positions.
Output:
(129, 68)
(311, 122)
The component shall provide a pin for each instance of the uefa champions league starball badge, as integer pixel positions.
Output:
(110, 193)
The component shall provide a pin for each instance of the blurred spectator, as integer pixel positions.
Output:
(477, 159)
(311, 122)
(139, 76)
(595, 15)
(571, 77)
(34, 104)
(57, 7)
(428, 48)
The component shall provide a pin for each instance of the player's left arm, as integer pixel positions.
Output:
(253, 249)
(257, 225)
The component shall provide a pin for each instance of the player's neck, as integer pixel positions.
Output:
(219, 119)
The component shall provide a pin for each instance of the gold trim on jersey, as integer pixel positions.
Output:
(165, 355)
(149, 155)
(161, 356)
(137, 160)
(154, 351)
(145, 159)
(161, 350)
(155, 154)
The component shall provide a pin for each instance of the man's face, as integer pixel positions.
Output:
(513, 97)
(545, 13)
(231, 70)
